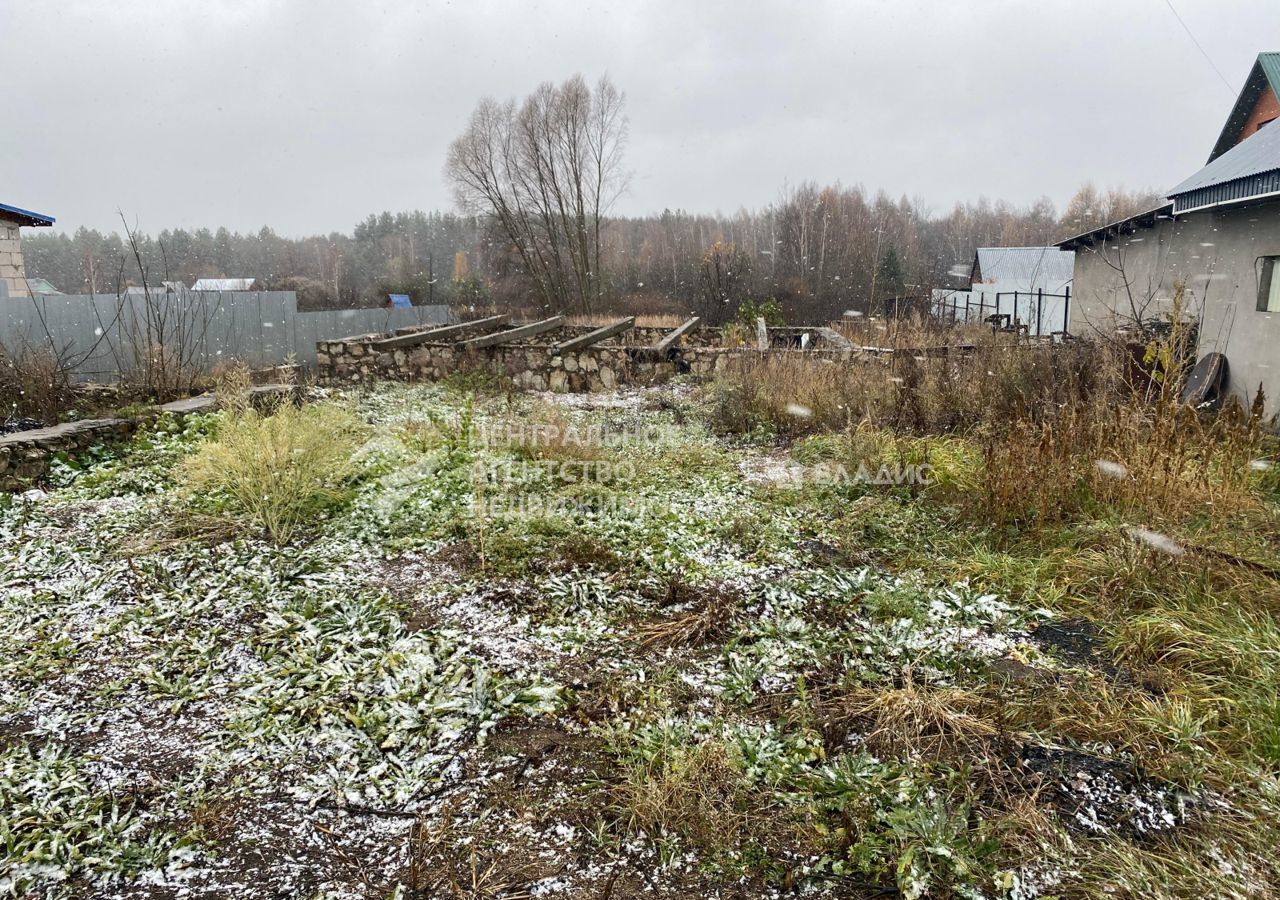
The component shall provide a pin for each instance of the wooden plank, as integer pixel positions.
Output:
(515, 334)
(445, 333)
(670, 339)
(595, 337)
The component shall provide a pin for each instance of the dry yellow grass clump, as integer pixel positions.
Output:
(696, 793)
(275, 470)
(1053, 430)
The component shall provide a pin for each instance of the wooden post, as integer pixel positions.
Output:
(595, 337)
(762, 334)
(515, 334)
(669, 340)
(446, 333)
(1066, 312)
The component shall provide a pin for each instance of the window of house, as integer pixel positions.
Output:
(1269, 284)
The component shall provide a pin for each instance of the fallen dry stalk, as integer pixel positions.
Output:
(916, 720)
(714, 614)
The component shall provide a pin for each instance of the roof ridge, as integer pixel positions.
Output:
(1265, 71)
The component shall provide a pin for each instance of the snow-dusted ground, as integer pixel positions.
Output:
(373, 712)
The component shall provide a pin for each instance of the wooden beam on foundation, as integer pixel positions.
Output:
(444, 333)
(672, 337)
(515, 334)
(595, 337)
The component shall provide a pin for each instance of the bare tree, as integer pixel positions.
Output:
(549, 173)
(724, 281)
(157, 338)
(1089, 208)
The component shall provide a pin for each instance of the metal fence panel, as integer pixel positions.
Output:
(102, 332)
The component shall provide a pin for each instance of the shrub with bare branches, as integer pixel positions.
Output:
(34, 383)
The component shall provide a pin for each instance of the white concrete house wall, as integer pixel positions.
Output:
(1214, 258)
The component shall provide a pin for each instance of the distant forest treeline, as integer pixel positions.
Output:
(818, 251)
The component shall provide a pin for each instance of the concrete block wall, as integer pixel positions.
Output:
(12, 273)
(1211, 255)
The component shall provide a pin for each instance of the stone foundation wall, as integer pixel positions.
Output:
(25, 456)
(531, 366)
(644, 336)
(528, 366)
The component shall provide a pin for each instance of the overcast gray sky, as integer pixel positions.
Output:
(307, 115)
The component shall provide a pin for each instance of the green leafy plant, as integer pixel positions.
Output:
(769, 309)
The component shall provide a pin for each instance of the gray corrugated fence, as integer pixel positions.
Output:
(102, 332)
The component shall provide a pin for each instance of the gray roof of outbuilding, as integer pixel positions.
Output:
(1242, 172)
(1046, 264)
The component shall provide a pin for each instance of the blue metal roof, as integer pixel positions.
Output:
(1249, 169)
(31, 218)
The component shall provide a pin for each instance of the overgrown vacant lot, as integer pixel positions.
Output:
(440, 642)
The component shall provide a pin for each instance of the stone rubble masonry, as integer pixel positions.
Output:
(536, 366)
(25, 456)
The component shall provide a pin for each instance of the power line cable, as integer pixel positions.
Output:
(1169, 3)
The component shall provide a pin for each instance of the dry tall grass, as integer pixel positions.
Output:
(1057, 430)
(276, 471)
(912, 332)
(991, 383)
(1162, 460)
(643, 320)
